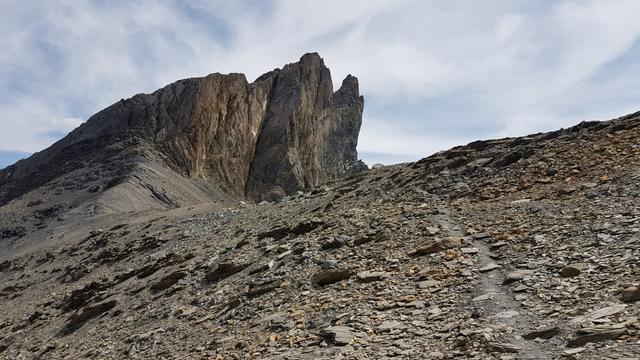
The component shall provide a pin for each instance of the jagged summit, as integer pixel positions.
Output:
(214, 137)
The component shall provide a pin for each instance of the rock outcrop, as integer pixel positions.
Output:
(284, 132)
(309, 134)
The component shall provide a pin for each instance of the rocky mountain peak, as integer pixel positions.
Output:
(227, 137)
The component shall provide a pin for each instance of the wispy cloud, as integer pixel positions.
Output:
(434, 74)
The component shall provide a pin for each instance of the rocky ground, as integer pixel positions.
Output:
(524, 248)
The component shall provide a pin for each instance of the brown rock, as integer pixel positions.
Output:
(330, 276)
(572, 270)
(631, 294)
(437, 245)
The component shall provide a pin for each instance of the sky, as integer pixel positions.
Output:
(434, 74)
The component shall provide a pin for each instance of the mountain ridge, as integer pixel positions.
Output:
(210, 129)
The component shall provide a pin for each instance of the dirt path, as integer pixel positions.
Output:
(496, 303)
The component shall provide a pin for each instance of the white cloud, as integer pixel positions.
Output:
(384, 138)
(531, 65)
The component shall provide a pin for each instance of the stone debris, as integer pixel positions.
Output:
(515, 248)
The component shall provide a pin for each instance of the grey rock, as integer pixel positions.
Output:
(542, 333)
(338, 335)
(515, 276)
(503, 347)
(489, 267)
(586, 336)
(389, 325)
(370, 276)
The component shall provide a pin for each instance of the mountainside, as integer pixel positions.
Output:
(516, 248)
(202, 139)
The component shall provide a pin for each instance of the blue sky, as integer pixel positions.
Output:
(434, 74)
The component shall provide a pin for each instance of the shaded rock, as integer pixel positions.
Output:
(585, 336)
(276, 233)
(87, 313)
(224, 270)
(306, 226)
(262, 289)
(503, 347)
(168, 281)
(572, 270)
(79, 297)
(481, 236)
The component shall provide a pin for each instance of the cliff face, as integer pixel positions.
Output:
(284, 132)
(309, 134)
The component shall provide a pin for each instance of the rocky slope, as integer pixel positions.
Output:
(518, 248)
(203, 139)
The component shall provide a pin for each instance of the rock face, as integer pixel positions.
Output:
(309, 134)
(284, 132)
